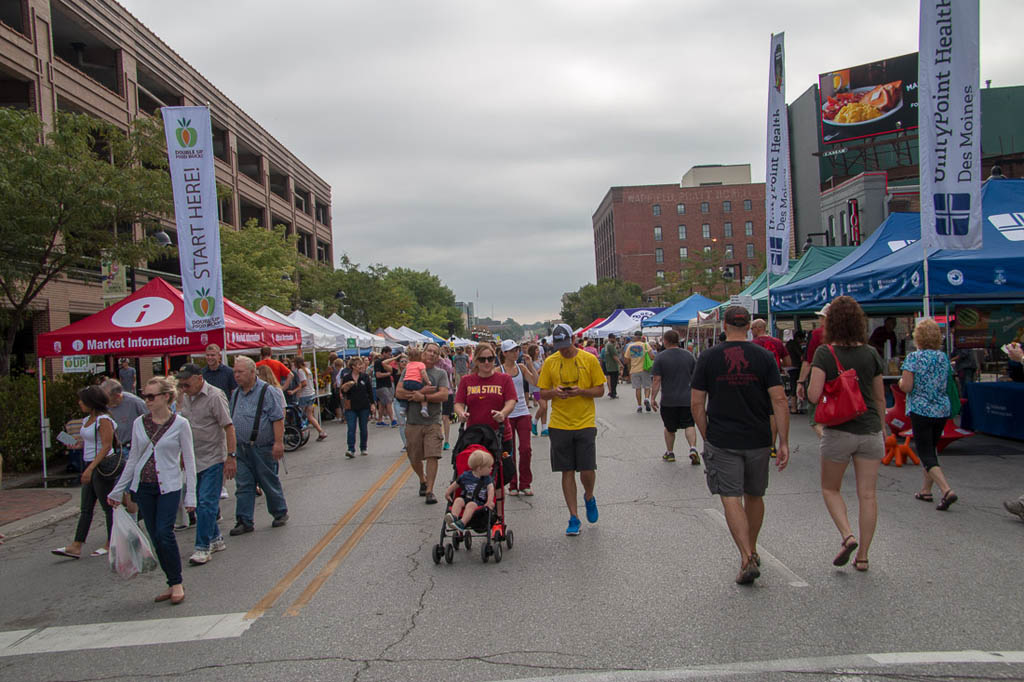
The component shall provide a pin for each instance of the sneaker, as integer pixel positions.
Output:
(591, 509)
(647, 405)
(527, 491)
(449, 520)
(280, 521)
(382, 423)
(669, 457)
(639, 409)
(513, 491)
(180, 526)
(1014, 507)
(694, 457)
(241, 528)
(447, 446)
(574, 526)
(223, 493)
(217, 545)
(394, 423)
(199, 557)
(533, 428)
(430, 499)
(350, 454)
(544, 433)
(364, 453)
(459, 525)
(423, 489)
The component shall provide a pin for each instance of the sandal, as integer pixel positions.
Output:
(849, 545)
(860, 564)
(947, 500)
(102, 551)
(322, 436)
(924, 497)
(63, 551)
(749, 572)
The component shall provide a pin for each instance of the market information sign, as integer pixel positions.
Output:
(190, 154)
(950, 135)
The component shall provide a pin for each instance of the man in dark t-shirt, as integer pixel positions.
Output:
(670, 376)
(735, 390)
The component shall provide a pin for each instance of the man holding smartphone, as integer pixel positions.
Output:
(571, 380)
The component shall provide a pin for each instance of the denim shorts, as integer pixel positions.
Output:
(306, 400)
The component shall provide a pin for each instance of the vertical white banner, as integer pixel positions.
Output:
(190, 153)
(950, 124)
(777, 194)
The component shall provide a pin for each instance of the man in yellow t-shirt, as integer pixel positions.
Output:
(571, 380)
(641, 380)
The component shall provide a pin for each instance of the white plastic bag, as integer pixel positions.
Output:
(130, 551)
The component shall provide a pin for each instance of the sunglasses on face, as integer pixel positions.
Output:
(485, 358)
(150, 396)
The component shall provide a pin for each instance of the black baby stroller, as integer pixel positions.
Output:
(485, 523)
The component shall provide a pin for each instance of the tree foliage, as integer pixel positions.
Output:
(259, 266)
(62, 196)
(583, 306)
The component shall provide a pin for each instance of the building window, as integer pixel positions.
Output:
(843, 231)
(831, 238)
(704, 207)
(680, 209)
(682, 232)
(323, 252)
(726, 207)
(305, 244)
(657, 233)
(747, 204)
(750, 250)
(683, 254)
(322, 214)
(728, 251)
(660, 274)
(705, 231)
(659, 255)
(657, 209)
(707, 250)
(748, 228)
(728, 229)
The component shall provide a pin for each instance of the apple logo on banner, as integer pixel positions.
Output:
(955, 277)
(143, 312)
(77, 345)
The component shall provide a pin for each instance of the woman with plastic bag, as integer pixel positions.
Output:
(161, 443)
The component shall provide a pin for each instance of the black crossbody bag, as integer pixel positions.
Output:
(112, 464)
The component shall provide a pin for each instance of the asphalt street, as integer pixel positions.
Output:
(348, 590)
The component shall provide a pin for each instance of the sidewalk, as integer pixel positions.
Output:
(23, 510)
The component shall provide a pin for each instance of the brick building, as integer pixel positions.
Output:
(93, 57)
(643, 232)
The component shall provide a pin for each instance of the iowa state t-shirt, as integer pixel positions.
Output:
(736, 376)
(480, 396)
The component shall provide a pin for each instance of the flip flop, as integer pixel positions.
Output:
(63, 551)
(924, 497)
(102, 551)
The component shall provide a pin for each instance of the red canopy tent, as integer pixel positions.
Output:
(592, 324)
(151, 322)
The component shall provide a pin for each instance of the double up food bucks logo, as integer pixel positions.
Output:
(204, 304)
(187, 136)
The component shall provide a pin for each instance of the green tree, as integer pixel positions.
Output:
(259, 266)
(433, 303)
(62, 196)
(583, 306)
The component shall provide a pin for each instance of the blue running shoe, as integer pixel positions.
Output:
(574, 526)
(533, 427)
(394, 423)
(447, 446)
(591, 509)
(544, 433)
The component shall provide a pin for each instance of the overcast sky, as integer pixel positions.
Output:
(476, 138)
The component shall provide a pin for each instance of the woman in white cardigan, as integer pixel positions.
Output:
(161, 443)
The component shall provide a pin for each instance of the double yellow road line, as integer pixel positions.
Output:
(271, 597)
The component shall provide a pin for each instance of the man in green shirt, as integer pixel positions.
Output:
(611, 365)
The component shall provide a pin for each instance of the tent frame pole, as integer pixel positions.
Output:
(927, 304)
(42, 412)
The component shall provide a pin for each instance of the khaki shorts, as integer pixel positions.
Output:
(640, 379)
(423, 441)
(840, 446)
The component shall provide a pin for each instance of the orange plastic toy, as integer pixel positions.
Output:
(897, 453)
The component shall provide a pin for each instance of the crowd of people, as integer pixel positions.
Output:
(165, 454)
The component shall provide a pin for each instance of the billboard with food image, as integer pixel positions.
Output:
(870, 99)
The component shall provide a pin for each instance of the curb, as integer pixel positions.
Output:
(35, 522)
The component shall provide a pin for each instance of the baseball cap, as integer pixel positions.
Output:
(188, 371)
(638, 333)
(507, 345)
(737, 316)
(561, 336)
(824, 310)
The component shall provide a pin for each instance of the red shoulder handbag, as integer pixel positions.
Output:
(841, 399)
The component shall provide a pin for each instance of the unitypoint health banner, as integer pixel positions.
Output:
(950, 125)
(777, 197)
(190, 152)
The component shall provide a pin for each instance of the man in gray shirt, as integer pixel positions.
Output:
(424, 437)
(671, 374)
(127, 375)
(124, 408)
(257, 454)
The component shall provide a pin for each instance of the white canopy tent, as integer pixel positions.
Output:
(338, 339)
(365, 338)
(460, 342)
(311, 337)
(415, 335)
(620, 325)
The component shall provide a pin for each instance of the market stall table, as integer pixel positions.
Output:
(995, 408)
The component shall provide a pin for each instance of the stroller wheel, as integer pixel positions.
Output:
(497, 553)
(438, 551)
(508, 538)
(468, 539)
(449, 553)
(484, 554)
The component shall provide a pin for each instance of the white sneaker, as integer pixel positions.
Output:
(217, 546)
(223, 493)
(199, 557)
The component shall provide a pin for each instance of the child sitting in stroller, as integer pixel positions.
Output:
(477, 488)
(415, 378)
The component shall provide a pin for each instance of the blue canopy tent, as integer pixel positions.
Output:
(993, 272)
(435, 337)
(897, 232)
(681, 313)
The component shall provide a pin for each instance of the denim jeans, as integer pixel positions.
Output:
(363, 418)
(157, 511)
(257, 466)
(208, 485)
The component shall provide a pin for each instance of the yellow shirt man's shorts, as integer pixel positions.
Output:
(572, 429)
